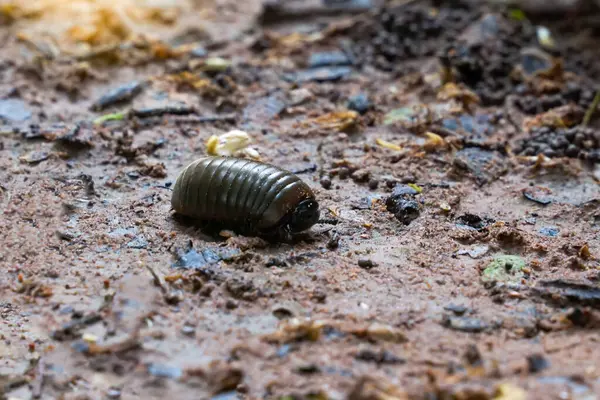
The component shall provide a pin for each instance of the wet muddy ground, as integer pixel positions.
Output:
(456, 145)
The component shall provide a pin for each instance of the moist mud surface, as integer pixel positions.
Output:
(453, 148)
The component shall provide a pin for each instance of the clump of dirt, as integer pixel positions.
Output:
(486, 65)
(573, 92)
(576, 142)
(412, 30)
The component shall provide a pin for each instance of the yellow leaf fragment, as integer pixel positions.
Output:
(234, 143)
(416, 187)
(507, 391)
(584, 252)
(452, 91)
(337, 120)
(434, 142)
(195, 81)
(388, 145)
(560, 117)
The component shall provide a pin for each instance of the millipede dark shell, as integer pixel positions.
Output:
(245, 195)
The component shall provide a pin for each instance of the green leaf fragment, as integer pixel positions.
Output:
(517, 14)
(118, 116)
(504, 268)
(418, 188)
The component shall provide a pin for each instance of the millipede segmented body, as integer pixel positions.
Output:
(245, 195)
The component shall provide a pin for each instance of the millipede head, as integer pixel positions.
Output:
(305, 215)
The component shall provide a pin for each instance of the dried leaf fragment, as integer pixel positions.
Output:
(452, 91)
(338, 121)
(369, 388)
(234, 143)
(388, 145)
(297, 329)
(560, 117)
(507, 391)
(434, 142)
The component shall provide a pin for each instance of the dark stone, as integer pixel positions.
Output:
(472, 221)
(119, 95)
(334, 242)
(196, 260)
(537, 363)
(465, 324)
(359, 103)
(483, 164)
(537, 197)
(379, 357)
(308, 369)
(326, 182)
(173, 109)
(366, 264)
(344, 173)
(568, 293)
(473, 356)
(456, 309)
(276, 262)
(402, 204)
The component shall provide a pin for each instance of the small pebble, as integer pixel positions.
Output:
(275, 262)
(361, 175)
(344, 173)
(326, 182)
(537, 363)
(319, 295)
(366, 264)
(373, 184)
(231, 304)
(199, 52)
(334, 242)
(174, 297)
(359, 103)
(188, 330)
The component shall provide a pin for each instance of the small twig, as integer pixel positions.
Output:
(591, 110)
(38, 382)
(162, 111)
(157, 280)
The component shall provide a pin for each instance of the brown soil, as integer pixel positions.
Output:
(104, 293)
